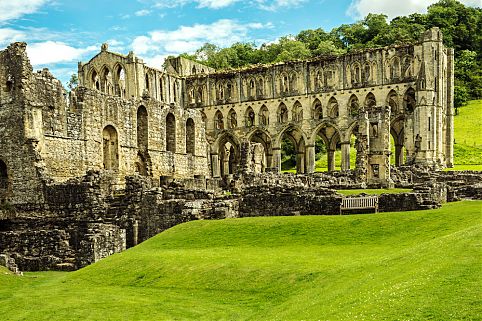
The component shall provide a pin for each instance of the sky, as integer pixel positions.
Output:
(59, 33)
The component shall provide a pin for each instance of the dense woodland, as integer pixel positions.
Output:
(461, 27)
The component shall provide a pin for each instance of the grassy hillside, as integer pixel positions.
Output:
(468, 134)
(389, 266)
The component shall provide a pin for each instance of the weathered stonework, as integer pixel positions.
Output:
(135, 150)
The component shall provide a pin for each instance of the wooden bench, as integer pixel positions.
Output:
(359, 203)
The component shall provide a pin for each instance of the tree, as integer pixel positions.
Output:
(73, 82)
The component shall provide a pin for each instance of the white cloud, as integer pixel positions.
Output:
(223, 32)
(270, 5)
(394, 8)
(13, 9)
(8, 36)
(215, 4)
(277, 4)
(50, 52)
(142, 13)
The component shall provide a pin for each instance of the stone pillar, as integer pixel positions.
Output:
(215, 165)
(331, 160)
(300, 163)
(345, 156)
(135, 232)
(277, 159)
(310, 159)
(449, 140)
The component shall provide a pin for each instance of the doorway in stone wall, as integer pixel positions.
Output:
(110, 148)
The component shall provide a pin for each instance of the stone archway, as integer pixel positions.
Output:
(110, 148)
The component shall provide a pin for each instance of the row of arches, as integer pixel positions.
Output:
(109, 82)
(111, 141)
(332, 110)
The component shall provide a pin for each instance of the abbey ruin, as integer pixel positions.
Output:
(134, 150)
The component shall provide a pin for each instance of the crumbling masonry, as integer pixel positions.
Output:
(134, 150)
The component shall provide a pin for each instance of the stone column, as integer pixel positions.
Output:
(345, 156)
(277, 159)
(300, 163)
(310, 159)
(215, 165)
(331, 160)
(135, 230)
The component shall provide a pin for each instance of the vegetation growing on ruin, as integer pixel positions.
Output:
(461, 27)
(422, 265)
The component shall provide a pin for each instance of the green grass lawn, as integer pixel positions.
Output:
(468, 136)
(422, 265)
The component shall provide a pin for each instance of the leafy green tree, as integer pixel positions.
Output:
(73, 82)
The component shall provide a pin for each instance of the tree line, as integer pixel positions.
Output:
(461, 27)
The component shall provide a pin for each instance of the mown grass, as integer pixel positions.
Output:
(421, 265)
(467, 133)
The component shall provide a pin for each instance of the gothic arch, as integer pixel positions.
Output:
(218, 120)
(232, 119)
(333, 108)
(94, 78)
(317, 109)
(393, 103)
(142, 129)
(409, 101)
(249, 117)
(282, 113)
(120, 80)
(190, 137)
(110, 148)
(370, 101)
(395, 68)
(297, 112)
(170, 133)
(263, 116)
(353, 106)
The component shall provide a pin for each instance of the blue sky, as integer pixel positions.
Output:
(60, 33)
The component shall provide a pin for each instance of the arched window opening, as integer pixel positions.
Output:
(249, 117)
(147, 82)
(260, 87)
(229, 91)
(9, 84)
(204, 119)
(193, 71)
(232, 119)
(107, 81)
(282, 113)
(297, 113)
(370, 101)
(353, 106)
(327, 149)
(110, 148)
(292, 152)
(142, 129)
(263, 116)
(175, 90)
(228, 158)
(317, 110)
(161, 90)
(392, 101)
(409, 101)
(220, 92)
(120, 87)
(357, 75)
(395, 70)
(190, 136)
(367, 73)
(251, 89)
(95, 80)
(318, 80)
(200, 97)
(333, 108)
(398, 154)
(219, 120)
(170, 133)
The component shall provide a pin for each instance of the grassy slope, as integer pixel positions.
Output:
(468, 136)
(390, 266)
